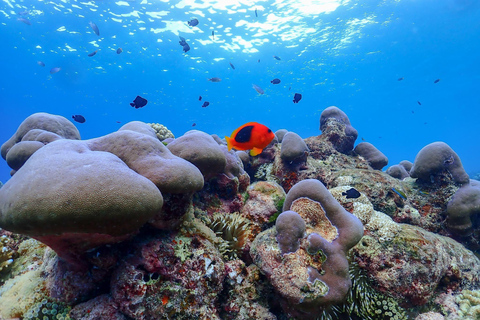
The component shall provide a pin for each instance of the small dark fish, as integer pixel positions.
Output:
(184, 44)
(193, 22)
(400, 79)
(199, 98)
(277, 57)
(119, 50)
(258, 89)
(25, 20)
(79, 118)
(41, 64)
(256, 15)
(54, 70)
(24, 13)
(95, 28)
(419, 103)
(118, 121)
(436, 81)
(194, 124)
(363, 139)
(297, 98)
(213, 34)
(289, 88)
(93, 53)
(139, 102)
(215, 79)
(258, 60)
(231, 65)
(413, 111)
(351, 194)
(205, 104)
(275, 81)
(400, 193)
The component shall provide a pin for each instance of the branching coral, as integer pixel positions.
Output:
(234, 229)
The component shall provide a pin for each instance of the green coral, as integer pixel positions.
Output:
(161, 131)
(469, 304)
(48, 310)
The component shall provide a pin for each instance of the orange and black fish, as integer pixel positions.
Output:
(251, 136)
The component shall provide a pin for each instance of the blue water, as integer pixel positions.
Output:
(334, 52)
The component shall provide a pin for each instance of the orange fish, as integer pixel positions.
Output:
(251, 136)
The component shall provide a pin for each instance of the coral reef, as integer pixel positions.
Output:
(375, 158)
(191, 230)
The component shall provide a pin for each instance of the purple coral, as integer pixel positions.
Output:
(375, 158)
(438, 161)
(290, 229)
(465, 205)
(334, 124)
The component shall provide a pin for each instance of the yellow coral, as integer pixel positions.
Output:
(6, 253)
(161, 131)
(469, 303)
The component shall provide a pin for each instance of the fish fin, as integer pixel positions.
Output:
(229, 143)
(255, 151)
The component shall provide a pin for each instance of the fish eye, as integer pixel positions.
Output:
(269, 130)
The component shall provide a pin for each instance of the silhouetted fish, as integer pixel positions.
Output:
(139, 102)
(199, 98)
(400, 79)
(277, 57)
(436, 81)
(119, 50)
(419, 103)
(193, 22)
(95, 28)
(205, 104)
(25, 20)
(297, 98)
(194, 124)
(41, 64)
(54, 70)
(184, 44)
(258, 89)
(213, 34)
(215, 79)
(79, 118)
(256, 15)
(92, 53)
(351, 193)
(231, 65)
(275, 81)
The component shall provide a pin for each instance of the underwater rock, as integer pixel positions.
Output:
(375, 158)
(35, 131)
(101, 307)
(170, 275)
(336, 128)
(436, 163)
(405, 261)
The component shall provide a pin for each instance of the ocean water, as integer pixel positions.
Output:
(377, 60)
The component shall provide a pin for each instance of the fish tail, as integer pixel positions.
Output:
(255, 151)
(229, 143)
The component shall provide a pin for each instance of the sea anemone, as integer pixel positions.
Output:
(233, 229)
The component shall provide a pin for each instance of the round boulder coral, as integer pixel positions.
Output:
(74, 199)
(335, 125)
(293, 147)
(35, 131)
(375, 158)
(464, 206)
(437, 160)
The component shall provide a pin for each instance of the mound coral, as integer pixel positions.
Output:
(76, 195)
(375, 158)
(33, 133)
(438, 161)
(335, 125)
